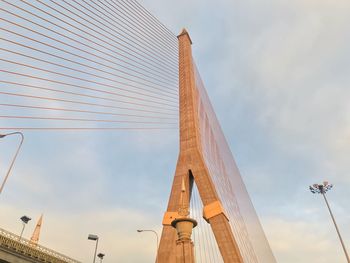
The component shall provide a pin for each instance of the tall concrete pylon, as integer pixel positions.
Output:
(242, 239)
(191, 166)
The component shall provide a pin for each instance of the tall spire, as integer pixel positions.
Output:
(36, 234)
(184, 226)
(183, 209)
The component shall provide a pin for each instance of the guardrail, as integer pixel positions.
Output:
(13, 243)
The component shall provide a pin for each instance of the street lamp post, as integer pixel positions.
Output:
(100, 256)
(14, 158)
(322, 189)
(94, 238)
(25, 220)
(149, 230)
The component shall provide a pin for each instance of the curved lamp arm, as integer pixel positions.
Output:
(150, 230)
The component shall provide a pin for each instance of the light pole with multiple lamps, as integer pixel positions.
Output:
(322, 189)
(14, 158)
(149, 230)
(94, 238)
(25, 220)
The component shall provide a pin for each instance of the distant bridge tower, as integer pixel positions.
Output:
(206, 160)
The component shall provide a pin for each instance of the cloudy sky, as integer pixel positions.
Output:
(277, 74)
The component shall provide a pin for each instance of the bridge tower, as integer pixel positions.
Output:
(192, 168)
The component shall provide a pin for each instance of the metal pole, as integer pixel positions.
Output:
(149, 230)
(20, 237)
(156, 244)
(95, 251)
(336, 227)
(14, 158)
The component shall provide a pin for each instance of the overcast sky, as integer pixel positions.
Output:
(277, 73)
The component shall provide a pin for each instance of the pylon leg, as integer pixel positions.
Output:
(219, 223)
(225, 239)
(167, 245)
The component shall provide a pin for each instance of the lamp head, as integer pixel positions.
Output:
(100, 255)
(2, 135)
(139, 230)
(25, 219)
(93, 237)
(320, 188)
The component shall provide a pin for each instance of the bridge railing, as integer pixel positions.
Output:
(12, 242)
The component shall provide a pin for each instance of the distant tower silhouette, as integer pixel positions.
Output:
(206, 160)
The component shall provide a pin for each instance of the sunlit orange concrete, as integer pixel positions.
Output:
(206, 160)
